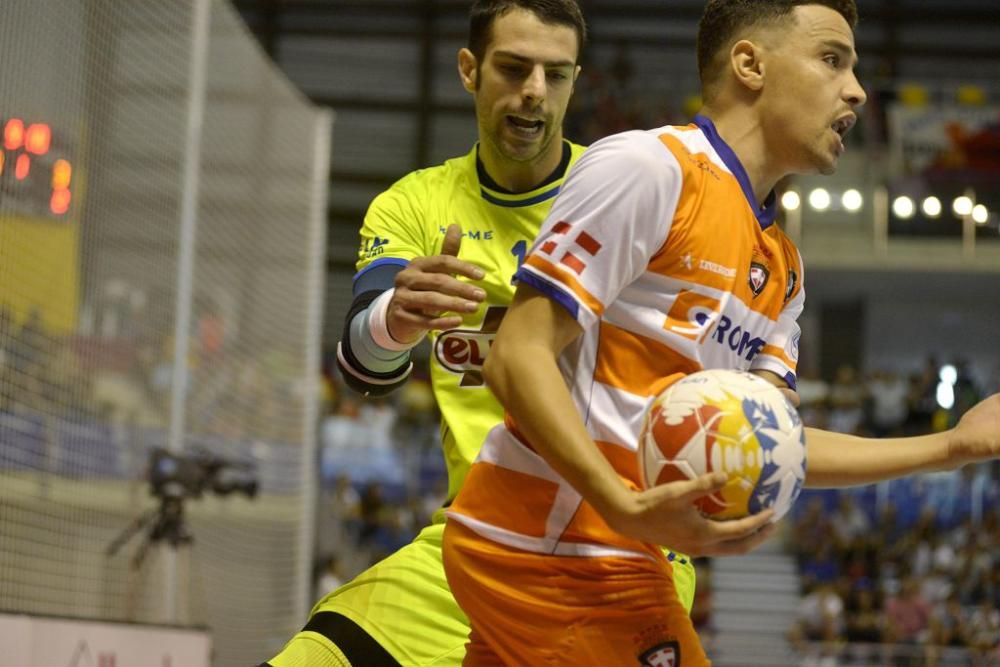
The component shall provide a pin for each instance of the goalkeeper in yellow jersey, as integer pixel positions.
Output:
(438, 253)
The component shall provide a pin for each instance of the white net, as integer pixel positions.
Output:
(158, 174)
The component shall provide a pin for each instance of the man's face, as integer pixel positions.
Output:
(811, 93)
(523, 85)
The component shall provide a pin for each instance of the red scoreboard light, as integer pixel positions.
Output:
(38, 138)
(62, 172)
(22, 167)
(13, 134)
(59, 203)
(34, 178)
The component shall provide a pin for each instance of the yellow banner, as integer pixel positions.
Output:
(39, 269)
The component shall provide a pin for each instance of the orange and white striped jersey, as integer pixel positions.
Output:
(658, 249)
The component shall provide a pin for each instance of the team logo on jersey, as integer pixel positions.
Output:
(463, 351)
(374, 248)
(667, 654)
(758, 277)
(793, 279)
(760, 270)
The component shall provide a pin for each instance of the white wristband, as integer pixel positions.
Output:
(378, 325)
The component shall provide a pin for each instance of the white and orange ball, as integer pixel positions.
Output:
(731, 421)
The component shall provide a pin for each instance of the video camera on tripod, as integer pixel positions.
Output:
(173, 478)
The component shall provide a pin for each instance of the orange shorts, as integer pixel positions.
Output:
(535, 609)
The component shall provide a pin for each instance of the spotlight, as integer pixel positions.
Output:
(932, 207)
(980, 215)
(903, 207)
(962, 206)
(852, 200)
(791, 201)
(819, 199)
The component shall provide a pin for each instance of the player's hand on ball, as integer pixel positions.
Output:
(666, 515)
(977, 435)
(428, 287)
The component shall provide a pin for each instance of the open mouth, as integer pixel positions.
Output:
(528, 127)
(843, 125)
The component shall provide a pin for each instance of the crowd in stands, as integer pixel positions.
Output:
(907, 573)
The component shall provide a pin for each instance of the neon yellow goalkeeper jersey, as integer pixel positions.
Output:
(409, 220)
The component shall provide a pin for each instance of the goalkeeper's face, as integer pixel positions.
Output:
(523, 85)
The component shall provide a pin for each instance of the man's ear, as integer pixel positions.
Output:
(468, 69)
(747, 65)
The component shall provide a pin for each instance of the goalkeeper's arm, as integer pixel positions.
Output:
(395, 304)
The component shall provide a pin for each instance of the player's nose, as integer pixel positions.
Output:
(534, 85)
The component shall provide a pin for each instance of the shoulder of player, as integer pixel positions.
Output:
(637, 154)
(420, 186)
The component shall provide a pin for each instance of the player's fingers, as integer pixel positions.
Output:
(444, 264)
(444, 322)
(401, 318)
(738, 529)
(703, 485)
(440, 283)
(432, 303)
(452, 240)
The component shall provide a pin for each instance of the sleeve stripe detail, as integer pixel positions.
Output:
(381, 262)
(779, 354)
(550, 290)
(560, 275)
(790, 379)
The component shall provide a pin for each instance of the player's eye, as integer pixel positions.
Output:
(832, 59)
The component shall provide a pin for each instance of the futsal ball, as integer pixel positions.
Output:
(731, 421)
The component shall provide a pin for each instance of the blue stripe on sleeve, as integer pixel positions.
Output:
(550, 290)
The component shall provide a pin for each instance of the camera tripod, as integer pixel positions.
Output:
(162, 524)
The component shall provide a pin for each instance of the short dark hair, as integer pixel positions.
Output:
(722, 20)
(554, 12)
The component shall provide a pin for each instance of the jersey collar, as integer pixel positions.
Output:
(492, 192)
(765, 214)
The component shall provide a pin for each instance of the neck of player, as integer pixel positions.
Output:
(744, 134)
(521, 176)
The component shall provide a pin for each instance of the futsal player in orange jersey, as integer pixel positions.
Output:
(659, 258)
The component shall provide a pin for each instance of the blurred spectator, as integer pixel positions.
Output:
(339, 517)
(948, 625)
(923, 398)
(847, 397)
(822, 566)
(967, 392)
(849, 522)
(907, 614)
(330, 576)
(984, 633)
(373, 511)
(820, 618)
(889, 399)
(813, 395)
(864, 622)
